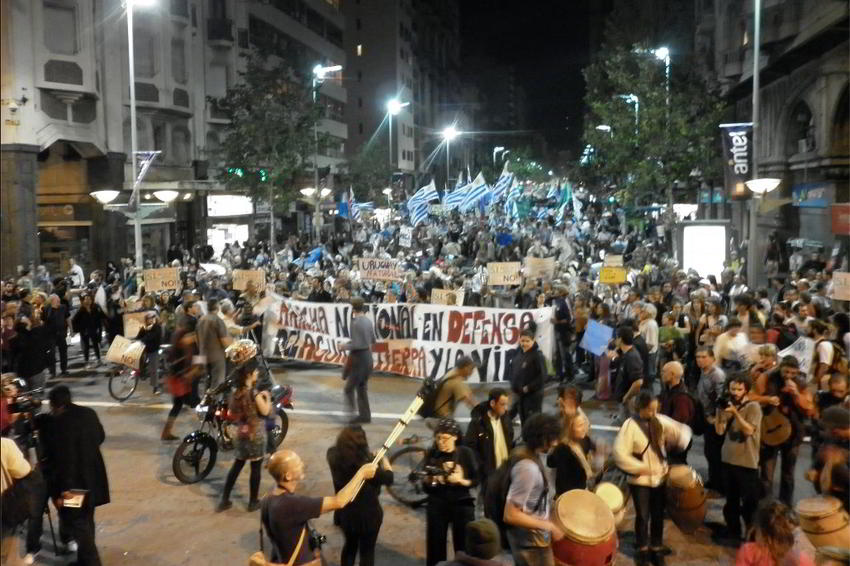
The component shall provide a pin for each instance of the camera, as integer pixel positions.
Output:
(25, 404)
(724, 401)
(315, 538)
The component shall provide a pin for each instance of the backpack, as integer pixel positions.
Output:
(698, 422)
(498, 485)
(429, 401)
(839, 357)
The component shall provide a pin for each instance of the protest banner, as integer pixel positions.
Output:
(415, 340)
(133, 322)
(241, 277)
(504, 273)
(447, 297)
(379, 269)
(125, 352)
(841, 286)
(163, 279)
(405, 236)
(596, 337)
(804, 350)
(612, 275)
(540, 267)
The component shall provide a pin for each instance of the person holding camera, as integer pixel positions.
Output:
(360, 521)
(739, 418)
(285, 514)
(452, 473)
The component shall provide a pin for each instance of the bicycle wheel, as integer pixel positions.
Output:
(194, 458)
(277, 431)
(123, 384)
(407, 488)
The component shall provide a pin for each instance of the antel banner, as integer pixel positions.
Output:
(737, 158)
(416, 340)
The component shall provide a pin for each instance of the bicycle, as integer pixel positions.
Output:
(124, 381)
(408, 465)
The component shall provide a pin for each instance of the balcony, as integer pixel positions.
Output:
(733, 61)
(220, 30)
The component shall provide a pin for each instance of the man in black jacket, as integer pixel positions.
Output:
(72, 450)
(630, 367)
(56, 329)
(490, 434)
(527, 376)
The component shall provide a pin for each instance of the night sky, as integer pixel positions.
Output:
(549, 43)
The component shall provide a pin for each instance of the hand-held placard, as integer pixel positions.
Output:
(428, 385)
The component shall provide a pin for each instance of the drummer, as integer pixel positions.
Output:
(830, 472)
(639, 450)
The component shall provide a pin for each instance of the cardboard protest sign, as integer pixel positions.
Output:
(504, 273)
(405, 236)
(125, 352)
(611, 260)
(133, 322)
(841, 286)
(164, 279)
(612, 275)
(596, 337)
(447, 297)
(540, 267)
(241, 277)
(379, 269)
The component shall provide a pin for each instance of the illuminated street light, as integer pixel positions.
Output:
(449, 133)
(324, 192)
(762, 186)
(166, 196)
(603, 128)
(308, 191)
(105, 196)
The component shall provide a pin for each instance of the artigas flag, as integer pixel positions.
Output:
(737, 158)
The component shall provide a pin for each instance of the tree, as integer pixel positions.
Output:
(269, 142)
(368, 172)
(525, 167)
(641, 144)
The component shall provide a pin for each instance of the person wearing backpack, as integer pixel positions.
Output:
(828, 356)
(526, 502)
(678, 404)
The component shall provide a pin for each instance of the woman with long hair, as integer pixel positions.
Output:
(89, 322)
(572, 458)
(361, 519)
(775, 533)
(248, 409)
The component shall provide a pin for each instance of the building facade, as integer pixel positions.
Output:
(803, 134)
(66, 117)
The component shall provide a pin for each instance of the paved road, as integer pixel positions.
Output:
(154, 520)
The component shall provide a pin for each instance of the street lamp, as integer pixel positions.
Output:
(663, 54)
(324, 192)
(308, 192)
(759, 187)
(394, 106)
(105, 196)
(449, 133)
(320, 73)
(497, 149)
(632, 99)
(166, 196)
(762, 186)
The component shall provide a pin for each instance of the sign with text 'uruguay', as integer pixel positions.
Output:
(416, 340)
(379, 269)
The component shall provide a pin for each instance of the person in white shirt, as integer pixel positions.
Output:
(13, 466)
(648, 328)
(78, 278)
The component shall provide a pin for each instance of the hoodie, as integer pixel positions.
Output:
(528, 369)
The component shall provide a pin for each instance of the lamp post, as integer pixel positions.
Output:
(633, 99)
(663, 54)
(320, 73)
(752, 249)
(394, 106)
(497, 149)
(449, 133)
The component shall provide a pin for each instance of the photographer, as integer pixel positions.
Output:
(739, 419)
(285, 515)
(453, 471)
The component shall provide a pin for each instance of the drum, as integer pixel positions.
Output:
(614, 499)
(587, 521)
(824, 521)
(685, 498)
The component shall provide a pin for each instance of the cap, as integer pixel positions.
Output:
(482, 539)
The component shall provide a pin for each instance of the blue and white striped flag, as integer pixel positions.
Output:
(513, 195)
(353, 208)
(419, 213)
(502, 184)
(553, 192)
(476, 191)
(460, 182)
(365, 206)
(559, 218)
(542, 213)
(455, 198)
(423, 196)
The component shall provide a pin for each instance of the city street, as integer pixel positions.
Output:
(155, 520)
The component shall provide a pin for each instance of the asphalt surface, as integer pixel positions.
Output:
(155, 520)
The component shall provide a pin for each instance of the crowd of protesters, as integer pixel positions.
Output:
(691, 355)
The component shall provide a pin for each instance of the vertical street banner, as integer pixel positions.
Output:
(241, 278)
(737, 158)
(164, 279)
(504, 273)
(375, 269)
(415, 340)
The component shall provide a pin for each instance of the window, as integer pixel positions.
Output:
(178, 60)
(143, 46)
(60, 28)
(218, 9)
(180, 145)
(359, 49)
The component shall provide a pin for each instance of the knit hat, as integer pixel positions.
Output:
(482, 539)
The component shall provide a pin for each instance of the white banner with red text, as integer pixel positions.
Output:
(415, 340)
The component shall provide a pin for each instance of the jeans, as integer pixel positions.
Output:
(439, 515)
(742, 496)
(649, 515)
(564, 359)
(80, 524)
(58, 344)
(90, 341)
(35, 523)
(152, 367)
(767, 463)
(529, 555)
(713, 446)
(363, 410)
(364, 542)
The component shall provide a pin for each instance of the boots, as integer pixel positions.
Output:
(167, 430)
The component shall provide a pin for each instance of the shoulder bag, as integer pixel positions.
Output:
(259, 557)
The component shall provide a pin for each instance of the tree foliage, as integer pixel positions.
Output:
(525, 167)
(652, 144)
(368, 172)
(269, 143)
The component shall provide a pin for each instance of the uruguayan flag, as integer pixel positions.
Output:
(476, 191)
(454, 199)
(419, 213)
(367, 206)
(502, 184)
(559, 219)
(423, 196)
(461, 182)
